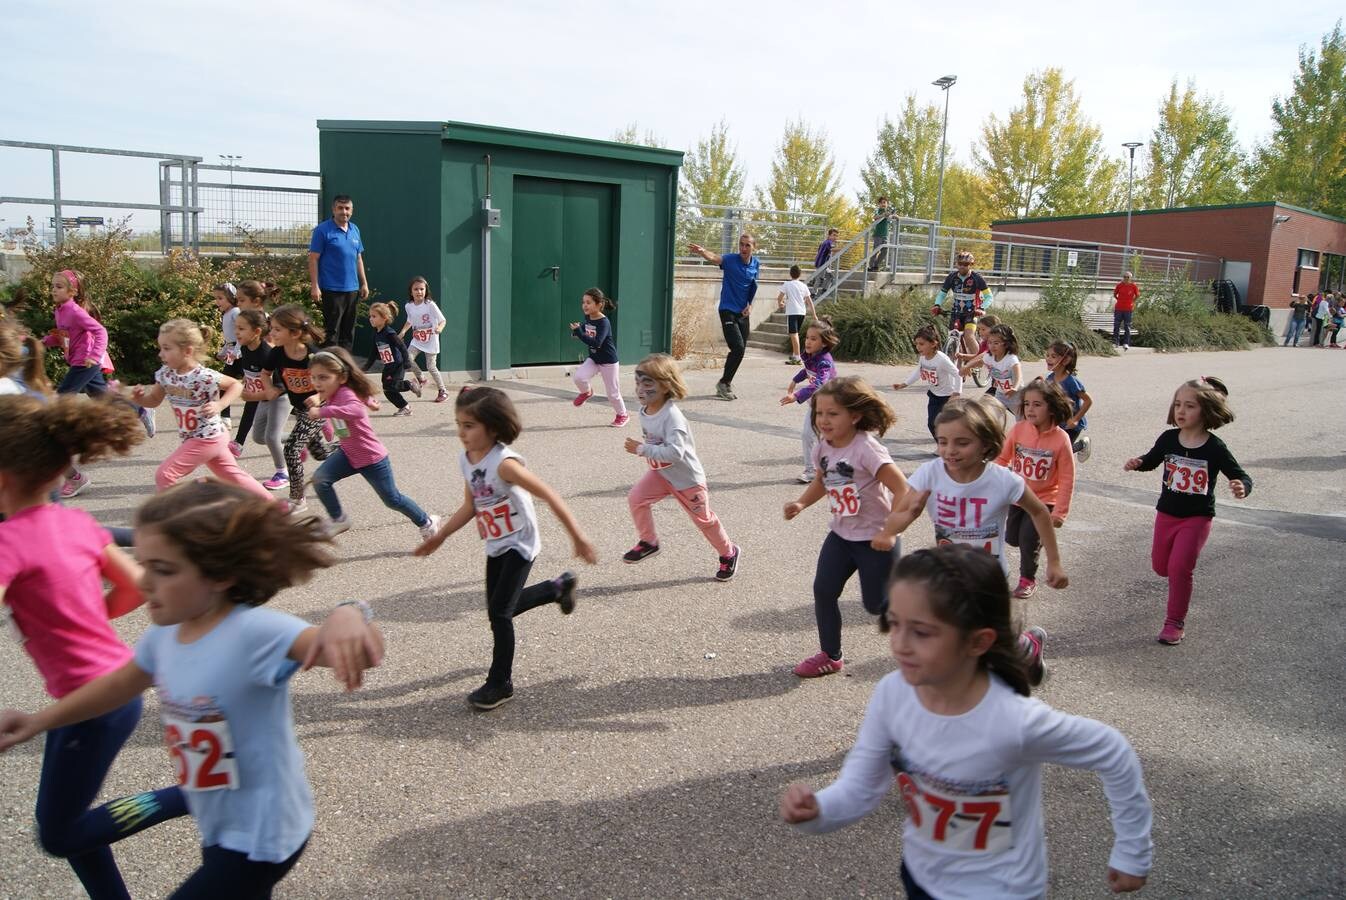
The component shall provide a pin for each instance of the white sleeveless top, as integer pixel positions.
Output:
(505, 516)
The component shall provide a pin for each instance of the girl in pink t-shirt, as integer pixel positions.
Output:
(53, 561)
(860, 481)
(346, 396)
(197, 395)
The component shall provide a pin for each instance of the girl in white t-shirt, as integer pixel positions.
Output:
(794, 299)
(425, 322)
(956, 729)
(937, 373)
(968, 498)
(197, 395)
(1002, 359)
(861, 483)
(498, 493)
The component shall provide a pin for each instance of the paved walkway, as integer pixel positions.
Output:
(653, 731)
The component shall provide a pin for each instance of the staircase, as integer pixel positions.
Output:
(773, 334)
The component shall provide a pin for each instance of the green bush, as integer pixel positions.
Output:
(1036, 329)
(1164, 330)
(1065, 294)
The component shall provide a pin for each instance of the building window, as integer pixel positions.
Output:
(1308, 259)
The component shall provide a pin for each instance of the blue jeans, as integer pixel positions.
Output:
(1296, 331)
(1121, 328)
(380, 478)
(83, 379)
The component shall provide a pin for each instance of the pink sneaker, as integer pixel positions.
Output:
(236, 448)
(1171, 635)
(620, 421)
(278, 482)
(73, 486)
(1027, 588)
(441, 396)
(580, 398)
(817, 665)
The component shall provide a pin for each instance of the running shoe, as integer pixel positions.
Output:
(278, 482)
(567, 583)
(580, 398)
(441, 396)
(724, 391)
(620, 421)
(1085, 451)
(794, 361)
(805, 477)
(415, 386)
(404, 411)
(642, 550)
(728, 565)
(236, 448)
(147, 419)
(339, 525)
(817, 665)
(73, 486)
(1027, 588)
(296, 507)
(430, 528)
(489, 696)
(1171, 635)
(1032, 641)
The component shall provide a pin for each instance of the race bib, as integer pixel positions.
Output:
(341, 429)
(498, 521)
(844, 500)
(203, 753)
(930, 376)
(1033, 463)
(385, 354)
(297, 381)
(252, 385)
(962, 823)
(188, 419)
(1183, 475)
(1003, 385)
(421, 335)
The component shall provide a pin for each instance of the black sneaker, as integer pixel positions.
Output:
(568, 580)
(489, 696)
(1033, 641)
(640, 551)
(728, 565)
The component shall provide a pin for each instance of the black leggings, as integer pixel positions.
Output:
(230, 875)
(914, 890)
(1022, 533)
(394, 383)
(838, 560)
(506, 597)
(307, 433)
(735, 326)
(933, 406)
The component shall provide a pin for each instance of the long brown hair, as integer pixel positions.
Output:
(338, 361)
(292, 317)
(493, 409)
(853, 394)
(38, 440)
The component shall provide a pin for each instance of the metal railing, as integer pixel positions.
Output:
(234, 213)
(783, 237)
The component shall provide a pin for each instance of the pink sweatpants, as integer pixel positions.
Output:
(196, 452)
(1177, 544)
(652, 487)
(585, 374)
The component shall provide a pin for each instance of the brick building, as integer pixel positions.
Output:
(1269, 250)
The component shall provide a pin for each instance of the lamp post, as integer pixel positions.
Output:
(943, 84)
(231, 161)
(1130, 177)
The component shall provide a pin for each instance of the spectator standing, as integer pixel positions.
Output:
(881, 216)
(1319, 313)
(737, 288)
(1338, 313)
(822, 276)
(1299, 308)
(1124, 296)
(336, 270)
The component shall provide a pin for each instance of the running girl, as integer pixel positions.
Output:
(425, 322)
(226, 301)
(1192, 457)
(819, 342)
(957, 730)
(221, 666)
(496, 493)
(857, 476)
(971, 361)
(1062, 359)
(53, 562)
(255, 294)
(1039, 451)
(389, 350)
(293, 340)
(21, 362)
(197, 395)
(1002, 360)
(936, 371)
(267, 417)
(344, 394)
(675, 470)
(596, 332)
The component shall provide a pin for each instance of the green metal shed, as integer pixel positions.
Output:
(541, 216)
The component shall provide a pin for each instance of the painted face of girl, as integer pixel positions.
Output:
(647, 389)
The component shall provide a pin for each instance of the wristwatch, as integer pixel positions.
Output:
(365, 609)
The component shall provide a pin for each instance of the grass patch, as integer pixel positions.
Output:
(1167, 331)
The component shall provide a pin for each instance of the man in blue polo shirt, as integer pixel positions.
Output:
(737, 289)
(336, 269)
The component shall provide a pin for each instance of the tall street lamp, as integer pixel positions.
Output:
(943, 84)
(231, 161)
(1130, 177)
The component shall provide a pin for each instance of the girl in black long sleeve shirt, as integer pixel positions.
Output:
(389, 350)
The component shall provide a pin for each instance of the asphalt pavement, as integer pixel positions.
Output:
(653, 731)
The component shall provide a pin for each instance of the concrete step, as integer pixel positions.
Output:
(771, 327)
(765, 342)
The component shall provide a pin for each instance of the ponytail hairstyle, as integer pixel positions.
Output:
(338, 361)
(387, 310)
(292, 317)
(34, 373)
(234, 536)
(1006, 334)
(493, 409)
(604, 302)
(1212, 396)
(186, 334)
(1059, 407)
(38, 440)
(258, 291)
(826, 332)
(990, 321)
(22, 353)
(229, 290)
(420, 279)
(853, 394)
(255, 318)
(966, 588)
(982, 416)
(1070, 357)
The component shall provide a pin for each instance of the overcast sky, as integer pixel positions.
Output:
(252, 77)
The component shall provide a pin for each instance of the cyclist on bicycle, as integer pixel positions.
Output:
(971, 295)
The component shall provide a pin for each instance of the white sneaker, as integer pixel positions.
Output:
(295, 507)
(805, 478)
(430, 528)
(1084, 449)
(339, 525)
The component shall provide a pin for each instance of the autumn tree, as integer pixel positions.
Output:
(904, 166)
(631, 134)
(1193, 157)
(1045, 158)
(711, 172)
(804, 176)
(1303, 162)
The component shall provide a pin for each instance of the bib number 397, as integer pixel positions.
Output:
(203, 753)
(844, 500)
(494, 522)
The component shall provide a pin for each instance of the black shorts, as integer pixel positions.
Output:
(793, 323)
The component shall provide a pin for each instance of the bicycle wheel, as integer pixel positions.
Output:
(979, 376)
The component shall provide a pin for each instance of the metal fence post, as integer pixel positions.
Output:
(196, 205)
(56, 194)
(185, 198)
(163, 207)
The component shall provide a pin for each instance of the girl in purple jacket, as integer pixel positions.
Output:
(819, 369)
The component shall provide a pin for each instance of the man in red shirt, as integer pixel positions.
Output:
(1125, 293)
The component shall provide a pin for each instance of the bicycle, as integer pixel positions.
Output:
(964, 342)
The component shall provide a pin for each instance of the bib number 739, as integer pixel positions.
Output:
(497, 521)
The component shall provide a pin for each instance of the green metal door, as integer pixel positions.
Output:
(562, 246)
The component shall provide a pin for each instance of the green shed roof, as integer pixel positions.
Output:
(467, 132)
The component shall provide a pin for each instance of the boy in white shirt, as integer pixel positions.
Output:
(795, 299)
